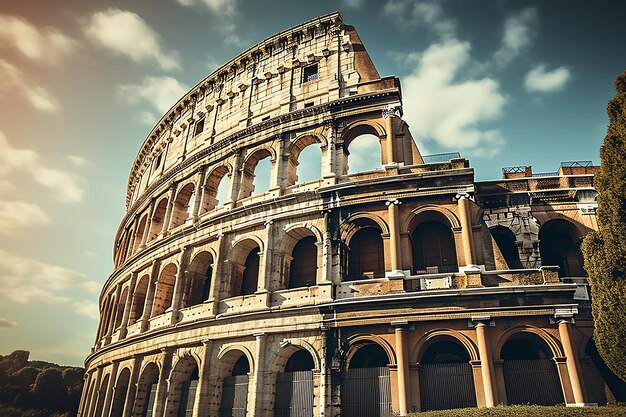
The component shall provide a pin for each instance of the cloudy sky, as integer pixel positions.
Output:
(82, 83)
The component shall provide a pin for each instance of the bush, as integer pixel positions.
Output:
(25, 377)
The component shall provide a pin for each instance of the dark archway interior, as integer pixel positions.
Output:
(366, 258)
(445, 351)
(369, 356)
(301, 360)
(559, 244)
(433, 246)
(241, 367)
(303, 270)
(250, 278)
(505, 239)
(525, 347)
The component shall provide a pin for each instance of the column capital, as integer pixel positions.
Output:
(481, 321)
(394, 201)
(464, 196)
(392, 110)
(399, 324)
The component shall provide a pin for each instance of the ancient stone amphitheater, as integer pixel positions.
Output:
(407, 287)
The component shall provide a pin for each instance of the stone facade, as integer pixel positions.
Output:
(275, 303)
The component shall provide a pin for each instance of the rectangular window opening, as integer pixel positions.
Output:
(199, 127)
(310, 73)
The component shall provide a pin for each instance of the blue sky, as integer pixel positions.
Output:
(83, 82)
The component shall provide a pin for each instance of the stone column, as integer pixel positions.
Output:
(235, 180)
(164, 381)
(201, 403)
(146, 230)
(573, 368)
(404, 384)
(132, 388)
(394, 235)
(199, 193)
(393, 110)
(128, 305)
(110, 392)
(255, 397)
(113, 314)
(466, 228)
(180, 283)
(147, 307)
(486, 362)
(171, 205)
(96, 390)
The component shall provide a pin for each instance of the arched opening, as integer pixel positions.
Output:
(120, 393)
(121, 305)
(559, 244)
(366, 256)
(199, 276)
(294, 386)
(215, 189)
(140, 231)
(164, 290)
(110, 312)
(446, 379)
(235, 390)
(183, 205)
(366, 388)
(505, 242)
(184, 386)
(139, 299)
(305, 161)
(434, 250)
(256, 174)
(364, 153)
(595, 385)
(530, 374)
(146, 391)
(158, 218)
(101, 396)
(245, 272)
(303, 268)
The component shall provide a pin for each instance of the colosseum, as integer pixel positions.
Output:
(404, 288)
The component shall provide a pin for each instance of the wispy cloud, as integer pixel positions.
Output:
(160, 92)
(224, 8)
(24, 280)
(226, 13)
(539, 80)
(67, 187)
(453, 113)
(77, 160)
(44, 45)
(4, 323)
(16, 215)
(352, 4)
(519, 30)
(12, 79)
(428, 14)
(127, 34)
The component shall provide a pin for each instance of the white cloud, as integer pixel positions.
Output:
(77, 160)
(25, 280)
(44, 45)
(519, 29)
(12, 79)
(452, 113)
(6, 323)
(353, 4)
(126, 33)
(147, 118)
(66, 185)
(218, 7)
(541, 81)
(16, 215)
(160, 92)
(87, 308)
(429, 14)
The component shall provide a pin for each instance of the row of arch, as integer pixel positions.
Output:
(237, 179)
(443, 378)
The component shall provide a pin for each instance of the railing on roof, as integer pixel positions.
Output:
(576, 164)
(514, 170)
(546, 174)
(440, 157)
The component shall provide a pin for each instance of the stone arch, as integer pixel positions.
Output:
(212, 186)
(141, 228)
(199, 276)
(361, 219)
(248, 168)
(288, 348)
(139, 298)
(505, 241)
(229, 353)
(358, 341)
(550, 340)
(121, 306)
(164, 294)
(231, 385)
(433, 244)
(146, 388)
(559, 244)
(361, 127)
(363, 247)
(244, 259)
(120, 393)
(369, 154)
(295, 148)
(157, 223)
(416, 215)
(183, 204)
(183, 383)
(306, 240)
(102, 391)
(441, 334)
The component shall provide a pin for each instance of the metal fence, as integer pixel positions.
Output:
(294, 394)
(187, 398)
(234, 396)
(448, 385)
(533, 381)
(366, 392)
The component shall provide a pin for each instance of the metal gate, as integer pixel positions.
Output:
(532, 381)
(234, 396)
(366, 392)
(446, 385)
(152, 391)
(294, 394)
(187, 398)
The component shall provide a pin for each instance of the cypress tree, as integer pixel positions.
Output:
(605, 250)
